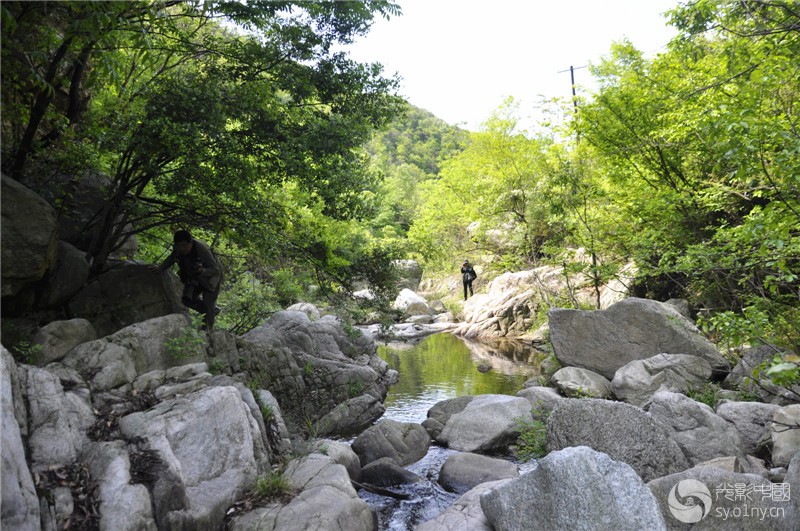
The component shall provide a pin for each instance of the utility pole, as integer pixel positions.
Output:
(572, 79)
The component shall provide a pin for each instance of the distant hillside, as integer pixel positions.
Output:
(418, 138)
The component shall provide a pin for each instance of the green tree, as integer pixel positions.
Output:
(194, 123)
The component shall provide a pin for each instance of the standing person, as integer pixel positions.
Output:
(200, 272)
(468, 274)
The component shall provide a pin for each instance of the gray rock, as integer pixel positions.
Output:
(214, 423)
(327, 500)
(409, 274)
(751, 419)
(58, 420)
(793, 479)
(464, 471)
(487, 423)
(123, 506)
(341, 453)
(318, 371)
(411, 304)
(682, 306)
(278, 434)
(542, 399)
(142, 347)
(636, 382)
(69, 274)
(307, 308)
(442, 411)
(106, 365)
(577, 382)
(785, 434)
(701, 434)
(20, 504)
(624, 432)
(465, 513)
(59, 337)
(575, 488)
(605, 340)
(351, 416)
(385, 472)
(404, 442)
(30, 236)
(126, 294)
(705, 499)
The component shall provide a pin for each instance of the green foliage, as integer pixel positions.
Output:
(190, 343)
(784, 370)
(252, 135)
(267, 413)
(355, 388)
(707, 394)
(217, 365)
(24, 351)
(272, 487)
(532, 438)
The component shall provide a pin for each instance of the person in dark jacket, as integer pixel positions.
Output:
(200, 272)
(468, 275)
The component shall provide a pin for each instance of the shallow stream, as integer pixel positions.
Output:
(439, 367)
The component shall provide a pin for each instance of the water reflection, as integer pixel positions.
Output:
(444, 366)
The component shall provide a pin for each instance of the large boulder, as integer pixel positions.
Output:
(117, 359)
(126, 294)
(20, 504)
(30, 236)
(341, 453)
(463, 471)
(212, 451)
(509, 304)
(59, 337)
(575, 488)
(404, 442)
(785, 434)
(68, 276)
(81, 198)
(326, 499)
(624, 432)
(577, 382)
(633, 329)
(411, 304)
(752, 421)
(464, 513)
(319, 371)
(542, 399)
(409, 274)
(702, 434)
(124, 506)
(440, 413)
(636, 382)
(487, 423)
(385, 472)
(57, 420)
(743, 379)
(710, 498)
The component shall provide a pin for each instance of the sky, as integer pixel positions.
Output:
(459, 59)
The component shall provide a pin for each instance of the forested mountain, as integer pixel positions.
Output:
(408, 152)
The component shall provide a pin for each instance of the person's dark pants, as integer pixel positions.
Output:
(467, 284)
(201, 300)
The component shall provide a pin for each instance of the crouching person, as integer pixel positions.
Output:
(200, 272)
